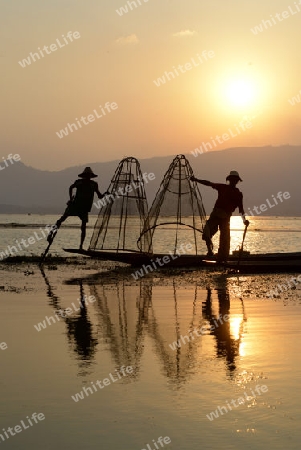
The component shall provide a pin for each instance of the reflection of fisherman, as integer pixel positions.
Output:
(227, 346)
(80, 333)
(229, 198)
(80, 204)
(79, 328)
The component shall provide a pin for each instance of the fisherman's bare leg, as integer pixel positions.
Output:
(83, 234)
(224, 239)
(61, 220)
(210, 229)
(55, 227)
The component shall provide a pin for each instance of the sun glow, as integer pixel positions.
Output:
(240, 93)
(236, 327)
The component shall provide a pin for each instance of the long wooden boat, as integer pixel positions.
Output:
(251, 263)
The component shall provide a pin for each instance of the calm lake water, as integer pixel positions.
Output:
(170, 392)
(265, 235)
(193, 344)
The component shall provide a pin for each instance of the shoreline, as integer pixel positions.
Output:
(27, 276)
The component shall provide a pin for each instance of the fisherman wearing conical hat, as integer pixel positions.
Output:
(229, 198)
(79, 204)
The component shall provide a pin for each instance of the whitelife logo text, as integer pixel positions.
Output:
(85, 120)
(48, 49)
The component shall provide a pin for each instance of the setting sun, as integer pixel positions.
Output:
(240, 93)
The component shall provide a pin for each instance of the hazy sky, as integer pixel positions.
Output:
(118, 57)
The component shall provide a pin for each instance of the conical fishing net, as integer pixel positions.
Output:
(177, 215)
(123, 212)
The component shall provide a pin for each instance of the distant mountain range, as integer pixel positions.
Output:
(265, 172)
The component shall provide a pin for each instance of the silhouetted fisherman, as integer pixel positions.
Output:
(79, 205)
(229, 198)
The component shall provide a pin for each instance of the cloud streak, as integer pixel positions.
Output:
(184, 33)
(132, 39)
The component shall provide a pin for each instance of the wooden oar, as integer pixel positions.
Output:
(50, 239)
(242, 246)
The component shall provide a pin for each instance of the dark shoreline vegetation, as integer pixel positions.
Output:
(37, 225)
(106, 268)
(26, 275)
(22, 259)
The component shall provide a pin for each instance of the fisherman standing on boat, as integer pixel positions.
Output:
(79, 204)
(229, 198)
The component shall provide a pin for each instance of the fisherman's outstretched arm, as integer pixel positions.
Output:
(205, 182)
(99, 194)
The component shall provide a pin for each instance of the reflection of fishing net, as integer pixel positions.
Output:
(123, 211)
(128, 316)
(179, 212)
(122, 311)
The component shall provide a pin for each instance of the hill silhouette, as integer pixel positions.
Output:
(265, 172)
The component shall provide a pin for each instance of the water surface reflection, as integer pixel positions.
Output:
(125, 315)
(81, 338)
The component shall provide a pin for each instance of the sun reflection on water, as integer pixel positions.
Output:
(236, 327)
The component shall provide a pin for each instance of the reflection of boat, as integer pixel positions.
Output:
(136, 320)
(129, 315)
(263, 263)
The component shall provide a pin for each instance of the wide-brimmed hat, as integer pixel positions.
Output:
(87, 173)
(233, 174)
